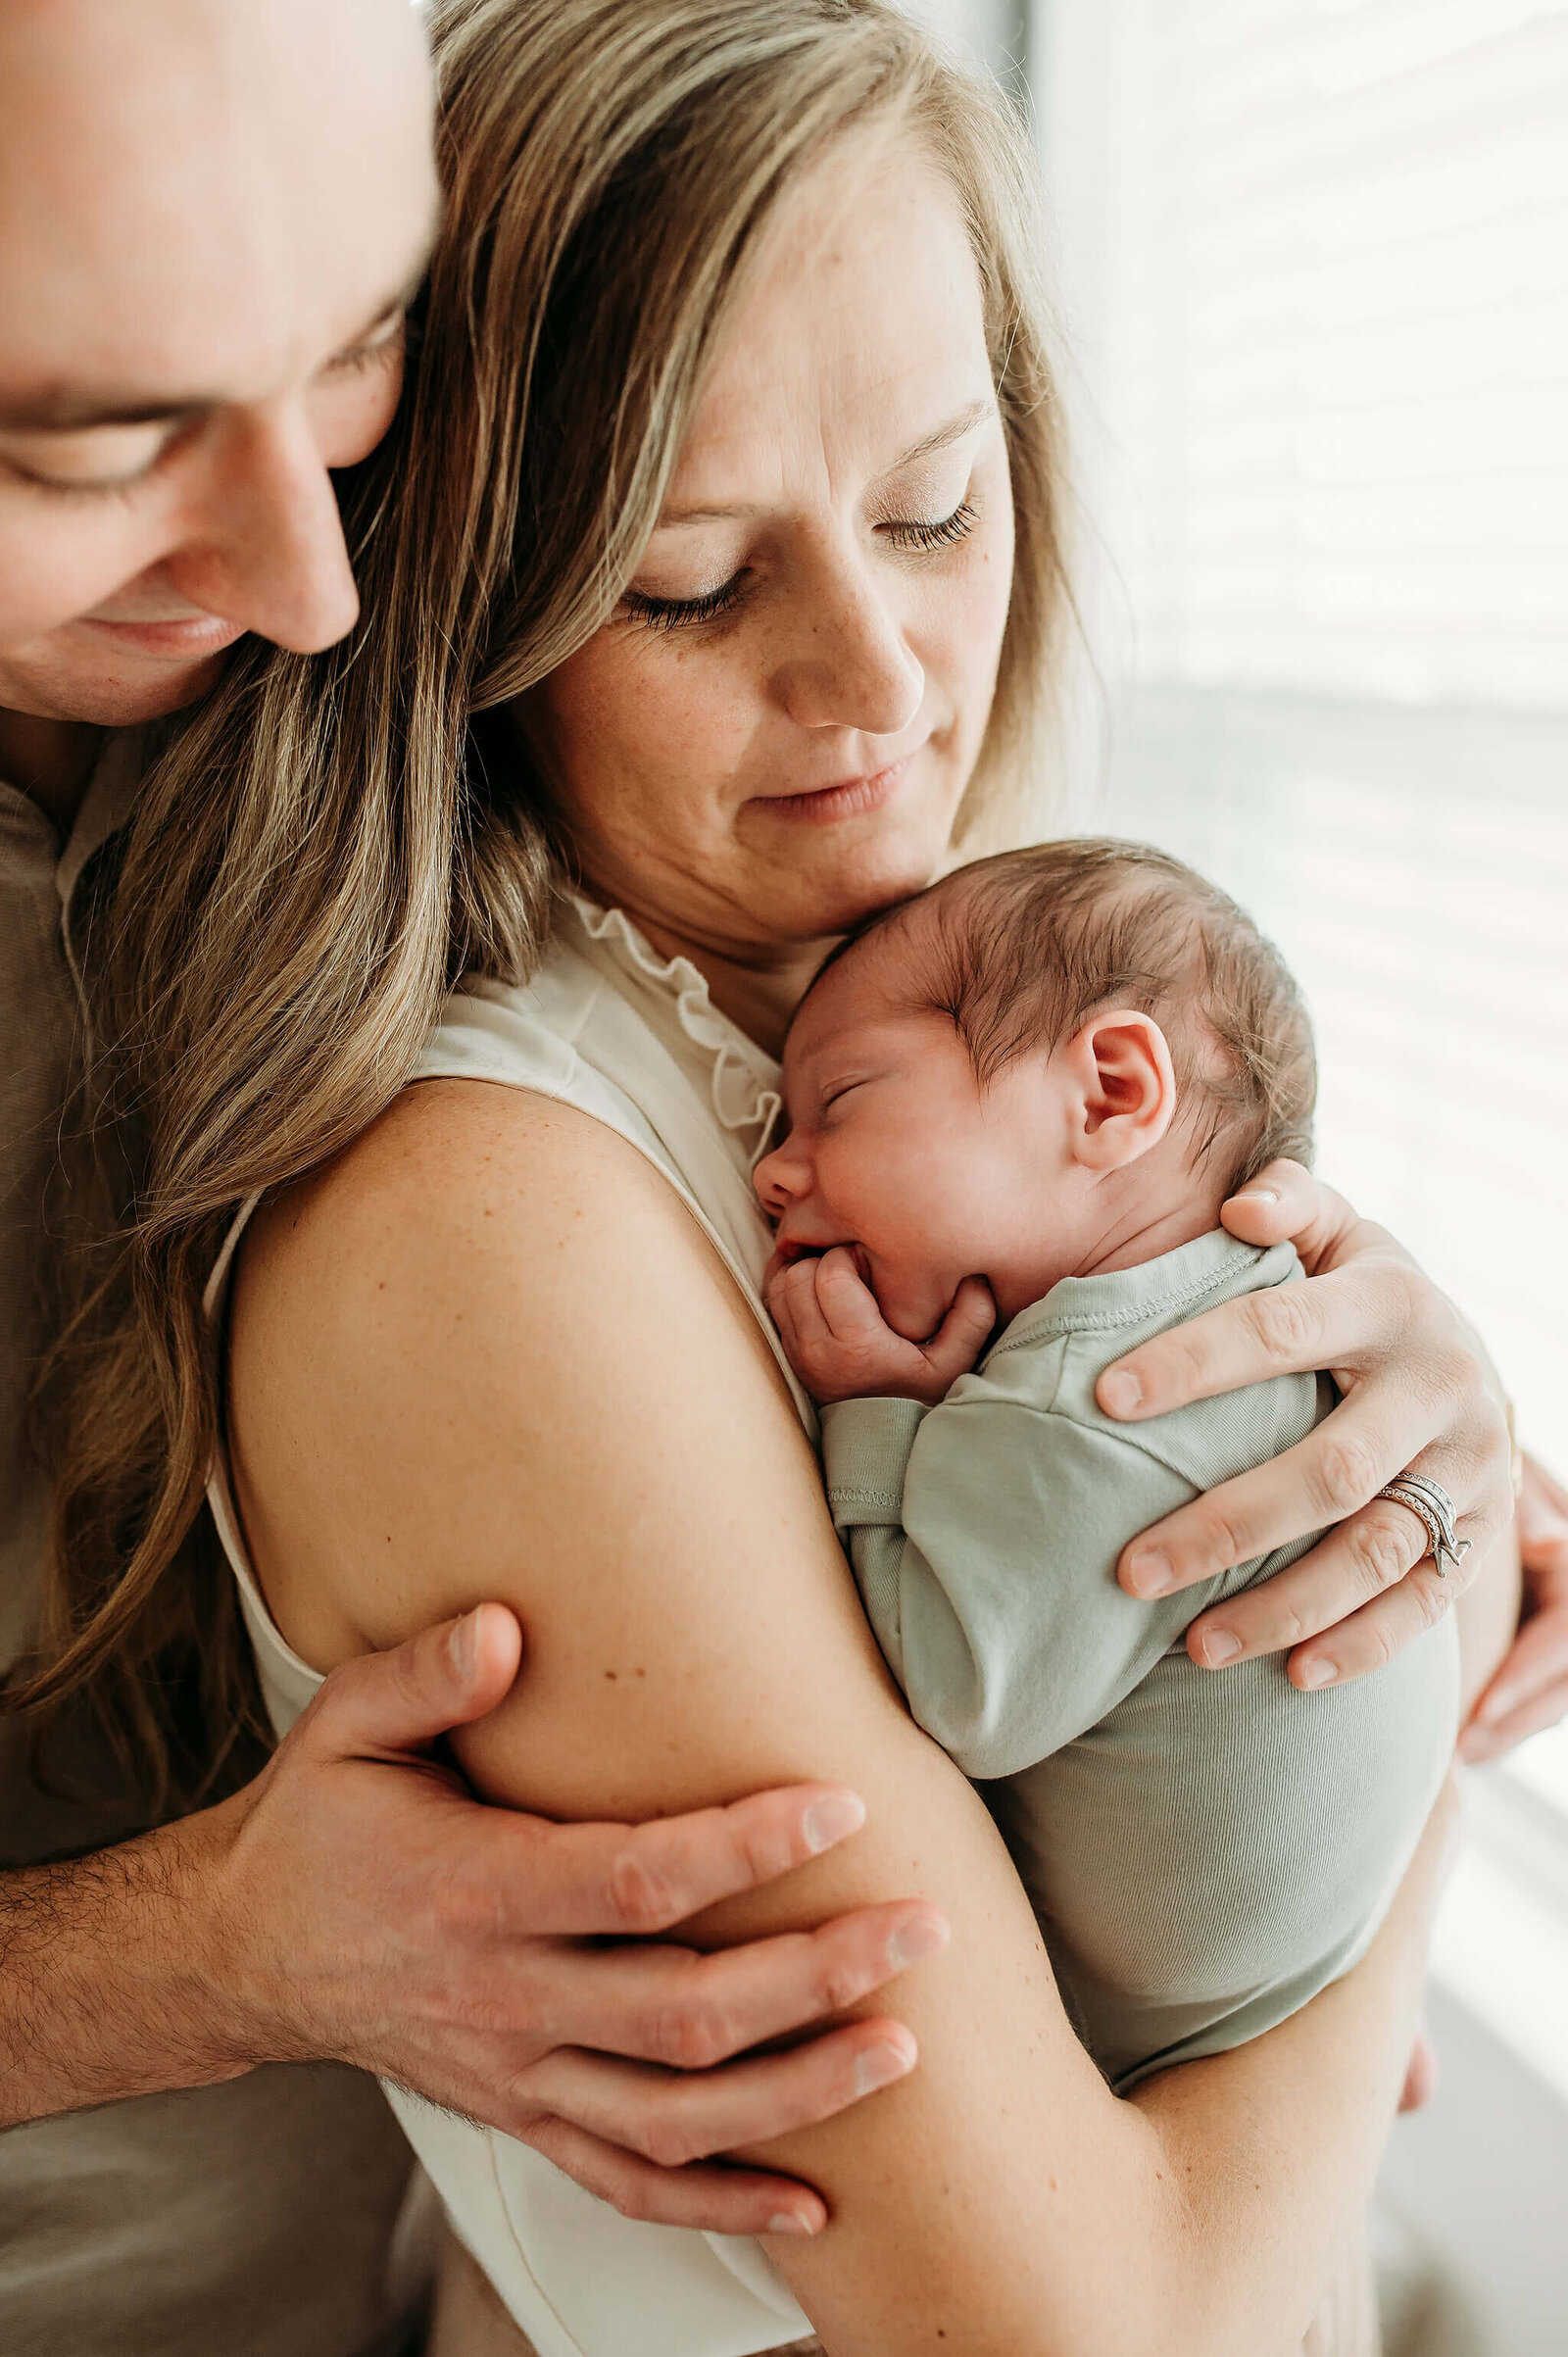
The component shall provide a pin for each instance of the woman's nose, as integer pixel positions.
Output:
(850, 667)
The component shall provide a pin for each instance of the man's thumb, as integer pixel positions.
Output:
(402, 1699)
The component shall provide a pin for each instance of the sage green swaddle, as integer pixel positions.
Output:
(1206, 1849)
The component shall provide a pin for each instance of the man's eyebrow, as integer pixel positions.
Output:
(74, 410)
(941, 437)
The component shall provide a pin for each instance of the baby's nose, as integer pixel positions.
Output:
(780, 1179)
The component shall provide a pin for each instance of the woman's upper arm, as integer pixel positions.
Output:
(490, 1355)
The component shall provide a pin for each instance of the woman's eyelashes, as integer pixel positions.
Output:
(675, 614)
(946, 533)
(910, 534)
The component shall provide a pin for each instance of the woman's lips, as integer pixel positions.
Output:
(820, 806)
(188, 637)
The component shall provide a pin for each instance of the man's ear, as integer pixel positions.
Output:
(1123, 1089)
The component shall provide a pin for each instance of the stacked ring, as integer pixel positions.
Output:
(1434, 1508)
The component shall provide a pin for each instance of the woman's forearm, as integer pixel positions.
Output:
(1291, 2127)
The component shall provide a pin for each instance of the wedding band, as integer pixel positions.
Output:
(1429, 1501)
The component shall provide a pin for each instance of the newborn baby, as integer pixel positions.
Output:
(1017, 1102)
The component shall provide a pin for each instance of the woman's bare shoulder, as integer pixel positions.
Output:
(485, 1287)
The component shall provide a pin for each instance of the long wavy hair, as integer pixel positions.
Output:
(330, 842)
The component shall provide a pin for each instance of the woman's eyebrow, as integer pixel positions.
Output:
(941, 437)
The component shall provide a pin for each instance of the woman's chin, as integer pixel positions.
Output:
(862, 883)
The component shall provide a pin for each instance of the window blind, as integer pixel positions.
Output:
(1334, 359)
(1316, 263)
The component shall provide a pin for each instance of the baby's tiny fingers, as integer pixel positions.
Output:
(963, 1332)
(846, 1300)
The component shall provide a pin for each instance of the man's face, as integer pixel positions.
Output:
(211, 213)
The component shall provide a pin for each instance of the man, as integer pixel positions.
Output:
(210, 213)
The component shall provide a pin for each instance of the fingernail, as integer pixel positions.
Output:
(1317, 1672)
(923, 1935)
(1151, 1574)
(786, 2222)
(878, 2067)
(1219, 1646)
(1257, 1195)
(465, 1644)
(1120, 1394)
(831, 1819)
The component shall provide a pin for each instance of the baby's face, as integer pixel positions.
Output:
(894, 1147)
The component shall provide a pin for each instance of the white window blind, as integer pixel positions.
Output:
(1333, 278)
(1315, 255)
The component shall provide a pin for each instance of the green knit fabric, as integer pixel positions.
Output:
(1204, 1849)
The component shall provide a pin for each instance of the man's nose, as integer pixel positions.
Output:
(269, 551)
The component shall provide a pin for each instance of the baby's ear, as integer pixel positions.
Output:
(1123, 1088)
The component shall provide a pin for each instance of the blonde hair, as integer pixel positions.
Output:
(330, 842)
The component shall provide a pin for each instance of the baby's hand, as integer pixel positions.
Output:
(842, 1348)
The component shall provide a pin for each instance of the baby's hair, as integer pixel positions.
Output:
(1022, 948)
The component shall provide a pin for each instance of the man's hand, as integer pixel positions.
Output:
(357, 1903)
(842, 1348)
(1530, 1691)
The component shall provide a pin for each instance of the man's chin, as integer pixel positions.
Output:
(118, 695)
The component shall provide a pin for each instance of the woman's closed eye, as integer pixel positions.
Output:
(945, 532)
(675, 614)
(913, 535)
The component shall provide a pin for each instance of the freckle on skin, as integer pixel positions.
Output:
(611, 1674)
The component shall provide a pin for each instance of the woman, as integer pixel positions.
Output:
(746, 506)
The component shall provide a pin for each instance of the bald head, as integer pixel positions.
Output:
(211, 214)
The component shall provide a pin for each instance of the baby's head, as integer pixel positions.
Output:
(1057, 1060)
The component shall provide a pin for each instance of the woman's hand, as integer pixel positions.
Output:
(1419, 1395)
(1531, 1689)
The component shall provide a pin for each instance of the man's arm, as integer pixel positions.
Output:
(357, 1903)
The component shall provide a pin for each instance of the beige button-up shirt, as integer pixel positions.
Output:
(255, 2217)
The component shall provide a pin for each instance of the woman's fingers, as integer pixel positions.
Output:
(1378, 1432)
(1362, 1559)
(1288, 1330)
(673, 2118)
(1367, 1590)
(690, 2011)
(1372, 1637)
(636, 1879)
(1283, 1205)
(713, 2199)
(1530, 1691)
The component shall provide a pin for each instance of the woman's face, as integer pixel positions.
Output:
(772, 735)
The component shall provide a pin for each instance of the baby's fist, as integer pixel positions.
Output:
(842, 1348)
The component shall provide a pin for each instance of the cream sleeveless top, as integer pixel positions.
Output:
(633, 1039)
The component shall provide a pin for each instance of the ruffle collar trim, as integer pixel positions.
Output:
(745, 1081)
